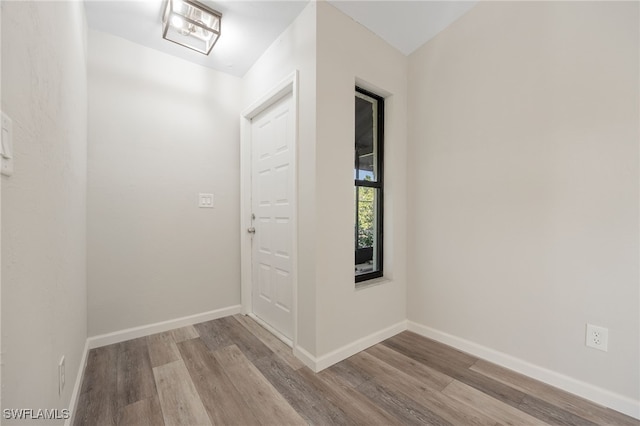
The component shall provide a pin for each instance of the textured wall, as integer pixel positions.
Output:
(44, 310)
(349, 53)
(161, 130)
(523, 126)
(320, 44)
(295, 49)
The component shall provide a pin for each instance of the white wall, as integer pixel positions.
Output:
(348, 52)
(523, 127)
(161, 130)
(331, 51)
(44, 203)
(295, 49)
(1, 406)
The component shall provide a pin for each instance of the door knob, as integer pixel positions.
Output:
(251, 230)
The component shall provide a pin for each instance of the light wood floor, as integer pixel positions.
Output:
(232, 372)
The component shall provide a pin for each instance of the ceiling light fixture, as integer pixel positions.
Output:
(191, 24)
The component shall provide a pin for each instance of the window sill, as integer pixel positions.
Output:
(372, 283)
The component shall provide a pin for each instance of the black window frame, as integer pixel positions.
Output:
(379, 185)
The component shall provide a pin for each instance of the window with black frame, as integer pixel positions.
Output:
(368, 190)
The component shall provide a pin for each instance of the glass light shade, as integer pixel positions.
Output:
(191, 24)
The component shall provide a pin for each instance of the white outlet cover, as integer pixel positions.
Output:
(597, 337)
(61, 375)
(6, 153)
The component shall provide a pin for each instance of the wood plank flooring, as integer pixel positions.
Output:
(231, 371)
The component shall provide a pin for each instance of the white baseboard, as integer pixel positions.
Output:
(159, 327)
(593, 393)
(318, 364)
(306, 358)
(75, 394)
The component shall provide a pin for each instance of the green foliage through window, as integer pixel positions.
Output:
(366, 216)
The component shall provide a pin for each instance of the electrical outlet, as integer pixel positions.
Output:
(597, 337)
(6, 146)
(61, 375)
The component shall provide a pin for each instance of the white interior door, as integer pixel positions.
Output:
(272, 186)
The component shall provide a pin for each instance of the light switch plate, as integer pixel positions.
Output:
(205, 201)
(6, 153)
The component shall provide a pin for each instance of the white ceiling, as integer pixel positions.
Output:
(250, 26)
(406, 25)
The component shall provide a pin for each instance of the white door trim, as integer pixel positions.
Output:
(285, 87)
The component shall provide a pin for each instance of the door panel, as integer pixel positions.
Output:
(272, 135)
